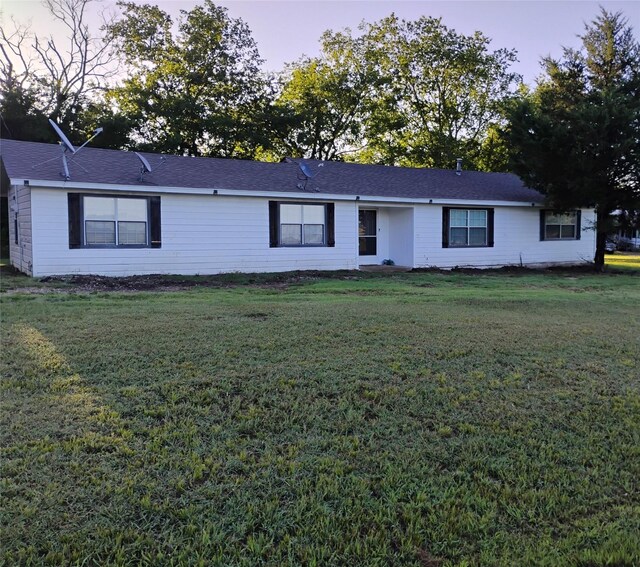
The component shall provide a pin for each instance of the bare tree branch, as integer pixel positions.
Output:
(14, 51)
(68, 73)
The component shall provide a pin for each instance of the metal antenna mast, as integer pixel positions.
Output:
(67, 146)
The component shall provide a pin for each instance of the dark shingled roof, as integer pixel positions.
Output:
(29, 160)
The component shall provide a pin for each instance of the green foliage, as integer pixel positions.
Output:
(577, 137)
(441, 95)
(493, 152)
(326, 99)
(21, 116)
(370, 421)
(195, 92)
(409, 93)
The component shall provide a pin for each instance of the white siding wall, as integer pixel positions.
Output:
(201, 234)
(516, 236)
(206, 234)
(401, 236)
(20, 253)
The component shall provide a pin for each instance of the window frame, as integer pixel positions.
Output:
(544, 224)
(77, 221)
(446, 227)
(276, 232)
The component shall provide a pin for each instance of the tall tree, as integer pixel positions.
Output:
(400, 93)
(440, 96)
(577, 137)
(326, 98)
(44, 77)
(198, 91)
(20, 115)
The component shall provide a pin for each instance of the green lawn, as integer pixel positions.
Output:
(415, 419)
(623, 260)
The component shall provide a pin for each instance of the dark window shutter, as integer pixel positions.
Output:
(490, 216)
(445, 227)
(273, 224)
(155, 222)
(578, 223)
(331, 224)
(543, 215)
(75, 220)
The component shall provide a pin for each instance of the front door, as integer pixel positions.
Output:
(367, 232)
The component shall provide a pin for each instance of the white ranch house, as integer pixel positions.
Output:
(208, 216)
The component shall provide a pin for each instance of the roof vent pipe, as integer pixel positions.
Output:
(459, 166)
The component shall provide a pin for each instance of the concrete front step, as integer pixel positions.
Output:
(383, 268)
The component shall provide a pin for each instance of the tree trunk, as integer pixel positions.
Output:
(601, 239)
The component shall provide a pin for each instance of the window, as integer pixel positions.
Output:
(109, 221)
(112, 221)
(467, 227)
(559, 226)
(301, 224)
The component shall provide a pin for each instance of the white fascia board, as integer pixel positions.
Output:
(386, 201)
(84, 187)
(220, 192)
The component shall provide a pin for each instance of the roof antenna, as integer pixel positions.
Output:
(305, 170)
(145, 166)
(67, 146)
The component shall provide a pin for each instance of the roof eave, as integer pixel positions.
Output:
(81, 186)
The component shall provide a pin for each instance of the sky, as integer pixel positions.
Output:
(285, 30)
